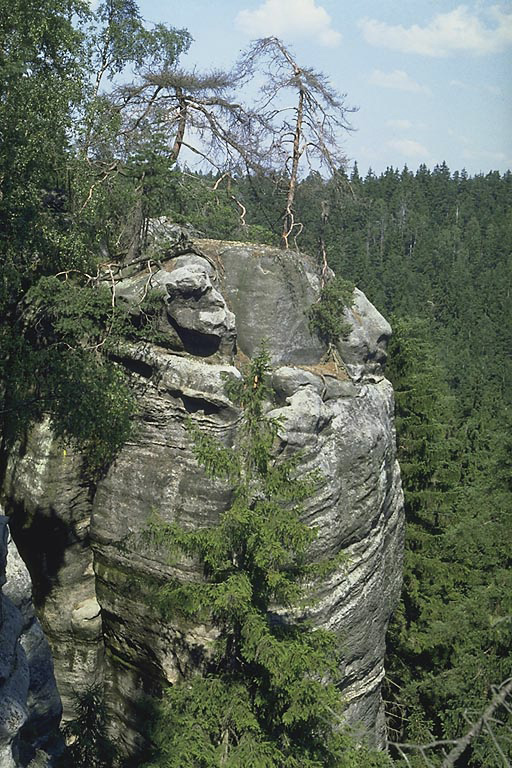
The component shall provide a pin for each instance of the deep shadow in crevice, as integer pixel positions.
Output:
(141, 715)
(42, 539)
(194, 342)
(195, 404)
(134, 366)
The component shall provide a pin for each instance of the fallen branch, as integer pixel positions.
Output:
(459, 745)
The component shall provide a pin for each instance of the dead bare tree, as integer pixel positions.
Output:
(198, 112)
(117, 38)
(308, 131)
(171, 110)
(168, 110)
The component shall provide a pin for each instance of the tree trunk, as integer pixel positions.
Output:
(182, 124)
(288, 219)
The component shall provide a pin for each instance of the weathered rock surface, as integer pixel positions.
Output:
(364, 350)
(30, 706)
(50, 508)
(101, 620)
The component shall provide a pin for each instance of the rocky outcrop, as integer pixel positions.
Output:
(30, 707)
(217, 304)
(363, 351)
(50, 510)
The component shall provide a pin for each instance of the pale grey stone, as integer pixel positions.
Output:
(190, 280)
(335, 388)
(45, 485)
(29, 695)
(14, 675)
(163, 231)
(194, 317)
(195, 305)
(270, 291)
(134, 289)
(364, 350)
(98, 609)
(194, 259)
(303, 419)
(86, 617)
(286, 381)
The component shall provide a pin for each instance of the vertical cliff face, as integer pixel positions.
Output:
(50, 509)
(30, 707)
(93, 568)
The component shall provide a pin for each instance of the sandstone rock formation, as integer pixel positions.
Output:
(30, 707)
(50, 507)
(95, 570)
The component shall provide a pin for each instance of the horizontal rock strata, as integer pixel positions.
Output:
(94, 592)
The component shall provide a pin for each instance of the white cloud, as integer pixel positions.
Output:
(461, 138)
(368, 153)
(494, 90)
(399, 125)
(459, 84)
(485, 155)
(397, 79)
(460, 30)
(409, 148)
(290, 19)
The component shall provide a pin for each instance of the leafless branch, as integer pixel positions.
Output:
(111, 170)
(459, 745)
(499, 699)
(318, 115)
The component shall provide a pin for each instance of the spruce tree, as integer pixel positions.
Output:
(89, 745)
(449, 644)
(268, 696)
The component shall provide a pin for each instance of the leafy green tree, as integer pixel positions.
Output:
(121, 156)
(450, 640)
(424, 417)
(268, 695)
(42, 85)
(59, 206)
(326, 316)
(118, 39)
(434, 250)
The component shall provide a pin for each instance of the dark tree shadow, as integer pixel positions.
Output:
(42, 539)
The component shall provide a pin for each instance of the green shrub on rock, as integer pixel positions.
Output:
(326, 317)
(268, 696)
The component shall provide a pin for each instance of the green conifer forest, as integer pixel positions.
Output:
(433, 251)
(88, 157)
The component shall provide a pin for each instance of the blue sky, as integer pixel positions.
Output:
(432, 80)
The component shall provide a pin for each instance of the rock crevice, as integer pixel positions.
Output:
(30, 708)
(96, 607)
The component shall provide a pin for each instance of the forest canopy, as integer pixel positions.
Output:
(96, 111)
